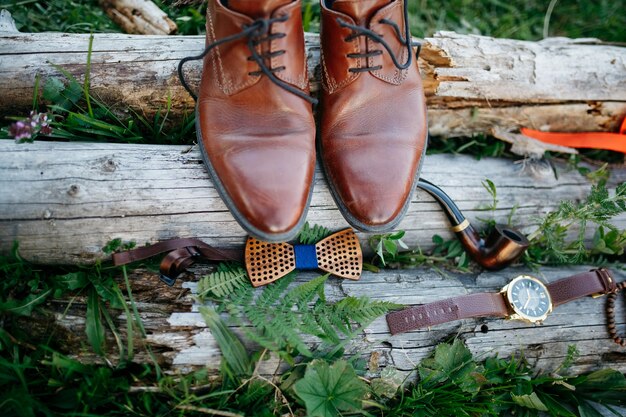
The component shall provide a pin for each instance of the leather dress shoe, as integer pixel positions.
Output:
(373, 113)
(254, 117)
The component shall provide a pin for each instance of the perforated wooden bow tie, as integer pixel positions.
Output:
(339, 254)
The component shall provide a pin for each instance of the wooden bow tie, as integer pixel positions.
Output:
(339, 254)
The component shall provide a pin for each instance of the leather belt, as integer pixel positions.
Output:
(183, 254)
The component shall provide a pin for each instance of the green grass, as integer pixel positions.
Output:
(76, 16)
(604, 19)
(85, 16)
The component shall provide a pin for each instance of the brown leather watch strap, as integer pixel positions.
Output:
(467, 306)
(596, 281)
(183, 253)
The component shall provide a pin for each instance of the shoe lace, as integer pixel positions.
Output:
(257, 32)
(358, 30)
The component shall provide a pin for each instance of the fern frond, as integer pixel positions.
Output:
(274, 291)
(278, 316)
(224, 281)
(341, 323)
(311, 235)
(322, 318)
(308, 325)
(265, 336)
(362, 310)
(289, 325)
(303, 294)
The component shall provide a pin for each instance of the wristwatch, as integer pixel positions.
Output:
(525, 298)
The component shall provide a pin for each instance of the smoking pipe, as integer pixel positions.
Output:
(503, 246)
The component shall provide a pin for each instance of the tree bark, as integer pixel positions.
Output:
(64, 201)
(473, 83)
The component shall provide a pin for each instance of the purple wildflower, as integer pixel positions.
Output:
(26, 130)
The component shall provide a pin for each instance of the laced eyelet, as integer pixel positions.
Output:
(405, 39)
(256, 33)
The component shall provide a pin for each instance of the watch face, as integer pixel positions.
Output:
(529, 298)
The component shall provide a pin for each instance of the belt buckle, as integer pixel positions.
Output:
(193, 252)
(167, 280)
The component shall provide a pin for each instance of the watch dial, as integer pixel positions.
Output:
(530, 298)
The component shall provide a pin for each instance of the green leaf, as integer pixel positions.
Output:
(25, 306)
(438, 240)
(397, 235)
(606, 386)
(52, 89)
(391, 247)
(109, 291)
(531, 401)
(555, 405)
(388, 384)
(93, 324)
(72, 280)
(463, 260)
(379, 251)
(451, 361)
(61, 96)
(586, 410)
(605, 379)
(233, 351)
(490, 187)
(328, 390)
(61, 361)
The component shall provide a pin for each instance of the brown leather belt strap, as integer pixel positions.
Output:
(467, 306)
(183, 253)
(596, 281)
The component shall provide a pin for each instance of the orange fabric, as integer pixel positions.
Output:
(594, 140)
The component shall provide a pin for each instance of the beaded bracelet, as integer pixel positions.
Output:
(610, 314)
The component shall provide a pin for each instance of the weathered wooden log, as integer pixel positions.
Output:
(7, 24)
(180, 340)
(141, 17)
(64, 201)
(473, 83)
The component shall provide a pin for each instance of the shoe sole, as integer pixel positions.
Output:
(243, 222)
(387, 227)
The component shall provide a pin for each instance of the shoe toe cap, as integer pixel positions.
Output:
(268, 188)
(373, 182)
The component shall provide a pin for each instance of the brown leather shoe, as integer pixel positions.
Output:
(254, 116)
(373, 112)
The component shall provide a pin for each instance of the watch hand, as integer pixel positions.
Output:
(528, 299)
